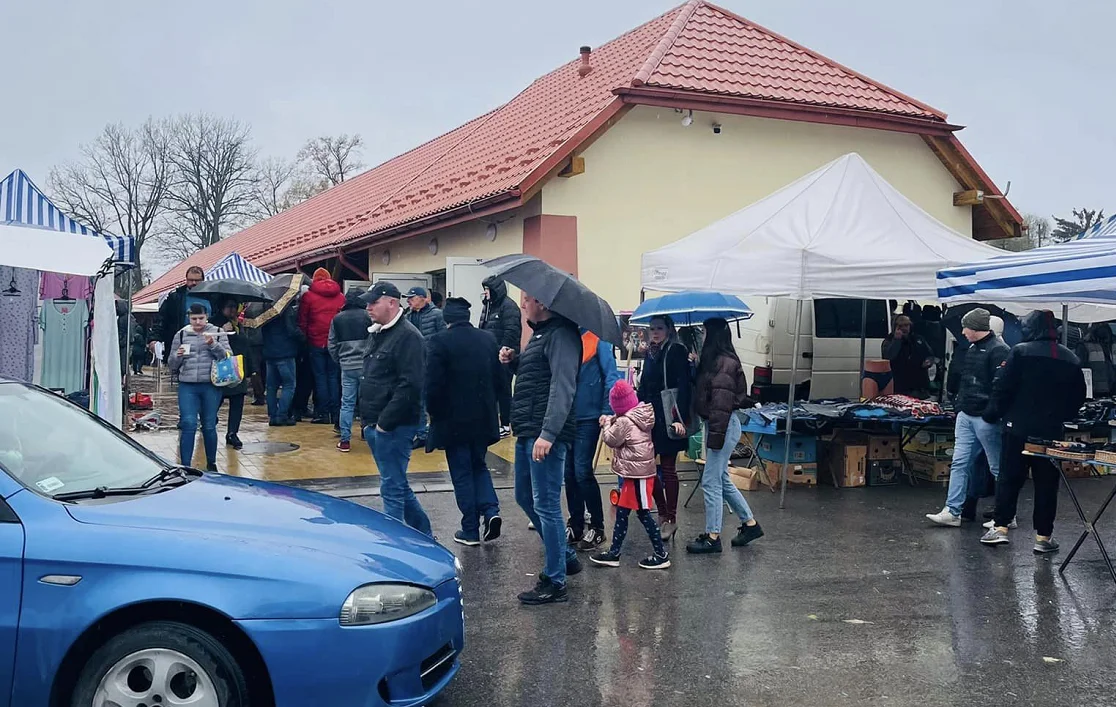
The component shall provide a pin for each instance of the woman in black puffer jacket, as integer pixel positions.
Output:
(720, 391)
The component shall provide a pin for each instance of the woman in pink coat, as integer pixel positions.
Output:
(628, 434)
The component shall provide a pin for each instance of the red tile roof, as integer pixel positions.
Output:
(695, 49)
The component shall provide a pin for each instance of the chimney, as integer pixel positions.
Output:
(585, 67)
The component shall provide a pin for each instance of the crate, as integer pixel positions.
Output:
(846, 463)
(884, 472)
(935, 444)
(804, 448)
(880, 446)
(930, 468)
(803, 474)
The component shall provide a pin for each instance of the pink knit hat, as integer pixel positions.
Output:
(622, 397)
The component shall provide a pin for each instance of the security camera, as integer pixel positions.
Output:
(716, 128)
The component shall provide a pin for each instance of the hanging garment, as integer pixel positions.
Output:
(64, 324)
(17, 322)
(58, 286)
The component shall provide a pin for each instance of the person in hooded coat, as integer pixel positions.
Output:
(464, 379)
(1096, 353)
(1038, 389)
(502, 317)
(316, 311)
(348, 345)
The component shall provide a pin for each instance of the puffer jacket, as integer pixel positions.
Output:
(501, 315)
(196, 367)
(629, 437)
(718, 393)
(317, 308)
(348, 334)
(428, 320)
(982, 361)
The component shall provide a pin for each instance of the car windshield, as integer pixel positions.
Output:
(55, 447)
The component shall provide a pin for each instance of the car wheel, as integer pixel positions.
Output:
(158, 664)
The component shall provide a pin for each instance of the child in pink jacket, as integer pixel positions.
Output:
(628, 434)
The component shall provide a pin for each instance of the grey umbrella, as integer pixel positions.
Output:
(560, 292)
(230, 288)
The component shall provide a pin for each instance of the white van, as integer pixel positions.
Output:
(829, 349)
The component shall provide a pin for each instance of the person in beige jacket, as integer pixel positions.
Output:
(628, 434)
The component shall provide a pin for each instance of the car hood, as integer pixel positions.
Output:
(250, 519)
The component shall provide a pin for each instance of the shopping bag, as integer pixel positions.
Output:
(671, 410)
(229, 371)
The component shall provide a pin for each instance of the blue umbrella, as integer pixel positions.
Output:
(691, 308)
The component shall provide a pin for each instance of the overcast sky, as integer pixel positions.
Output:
(1031, 79)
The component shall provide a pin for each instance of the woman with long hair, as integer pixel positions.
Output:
(665, 366)
(719, 392)
(194, 348)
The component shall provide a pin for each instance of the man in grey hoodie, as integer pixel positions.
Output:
(348, 345)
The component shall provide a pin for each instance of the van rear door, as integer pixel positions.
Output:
(836, 350)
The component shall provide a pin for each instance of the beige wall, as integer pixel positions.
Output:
(649, 181)
(466, 240)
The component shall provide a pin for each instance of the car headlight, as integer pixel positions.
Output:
(380, 603)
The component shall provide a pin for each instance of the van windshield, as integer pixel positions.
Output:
(840, 319)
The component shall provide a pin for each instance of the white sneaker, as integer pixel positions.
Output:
(944, 517)
(992, 524)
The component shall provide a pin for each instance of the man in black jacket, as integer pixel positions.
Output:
(1039, 388)
(544, 425)
(910, 357)
(390, 389)
(983, 359)
(463, 380)
(172, 312)
(502, 317)
(347, 345)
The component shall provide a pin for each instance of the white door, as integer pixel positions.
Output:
(463, 279)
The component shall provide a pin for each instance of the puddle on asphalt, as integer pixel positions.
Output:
(268, 448)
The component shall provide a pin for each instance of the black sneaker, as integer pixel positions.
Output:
(461, 538)
(606, 559)
(573, 567)
(703, 545)
(234, 442)
(655, 562)
(747, 534)
(545, 592)
(211, 467)
(591, 540)
(572, 538)
(418, 443)
(320, 420)
(492, 528)
(337, 430)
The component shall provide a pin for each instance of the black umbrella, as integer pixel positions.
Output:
(560, 292)
(283, 290)
(230, 288)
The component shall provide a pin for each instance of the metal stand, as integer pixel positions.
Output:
(790, 402)
(863, 341)
(1090, 526)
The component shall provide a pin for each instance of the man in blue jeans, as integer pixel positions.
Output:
(974, 428)
(390, 390)
(348, 343)
(544, 426)
(281, 340)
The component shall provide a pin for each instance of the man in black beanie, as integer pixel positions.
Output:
(464, 380)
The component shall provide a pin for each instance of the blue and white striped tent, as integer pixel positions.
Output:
(1100, 229)
(234, 267)
(21, 202)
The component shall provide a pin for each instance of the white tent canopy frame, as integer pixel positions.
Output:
(841, 231)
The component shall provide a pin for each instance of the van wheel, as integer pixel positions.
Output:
(161, 663)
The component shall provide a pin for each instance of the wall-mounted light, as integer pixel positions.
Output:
(688, 120)
(490, 231)
(433, 246)
(716, 128)
(386, 257)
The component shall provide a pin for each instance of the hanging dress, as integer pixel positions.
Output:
(19, 296)
(64, 324)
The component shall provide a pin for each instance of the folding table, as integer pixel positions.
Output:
(1090, 525)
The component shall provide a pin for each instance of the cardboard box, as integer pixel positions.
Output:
(925, 466)
(847, 464)
(804, 448)
(935, 444)
(884, 472)
(745, 479)
(804, 474)
(1076, 470)
(880, 446)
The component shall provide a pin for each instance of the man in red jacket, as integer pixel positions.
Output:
(319, 305)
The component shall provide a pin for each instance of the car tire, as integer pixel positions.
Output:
(195, 664)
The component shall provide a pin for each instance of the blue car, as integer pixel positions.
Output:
(128, 581)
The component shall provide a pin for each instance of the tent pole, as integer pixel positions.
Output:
(863, 338)
(790, 401)
(127, 353)
(1065, 325)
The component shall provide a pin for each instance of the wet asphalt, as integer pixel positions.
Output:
(850, 599)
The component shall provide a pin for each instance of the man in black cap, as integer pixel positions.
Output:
(463, 381)
(429, 321)
(983, 359)
(390, 390)
(1038, 389)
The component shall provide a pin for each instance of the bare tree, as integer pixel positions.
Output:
(214, 181)
(281, 184)
(119, 184)
(333, 159)
(1036, 233)
(1068, 228)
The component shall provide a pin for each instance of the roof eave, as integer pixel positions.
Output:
(783, 110)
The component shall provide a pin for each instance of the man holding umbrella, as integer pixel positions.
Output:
(555, 304)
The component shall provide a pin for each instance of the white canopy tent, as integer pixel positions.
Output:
(840, 231)
(76, 254)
